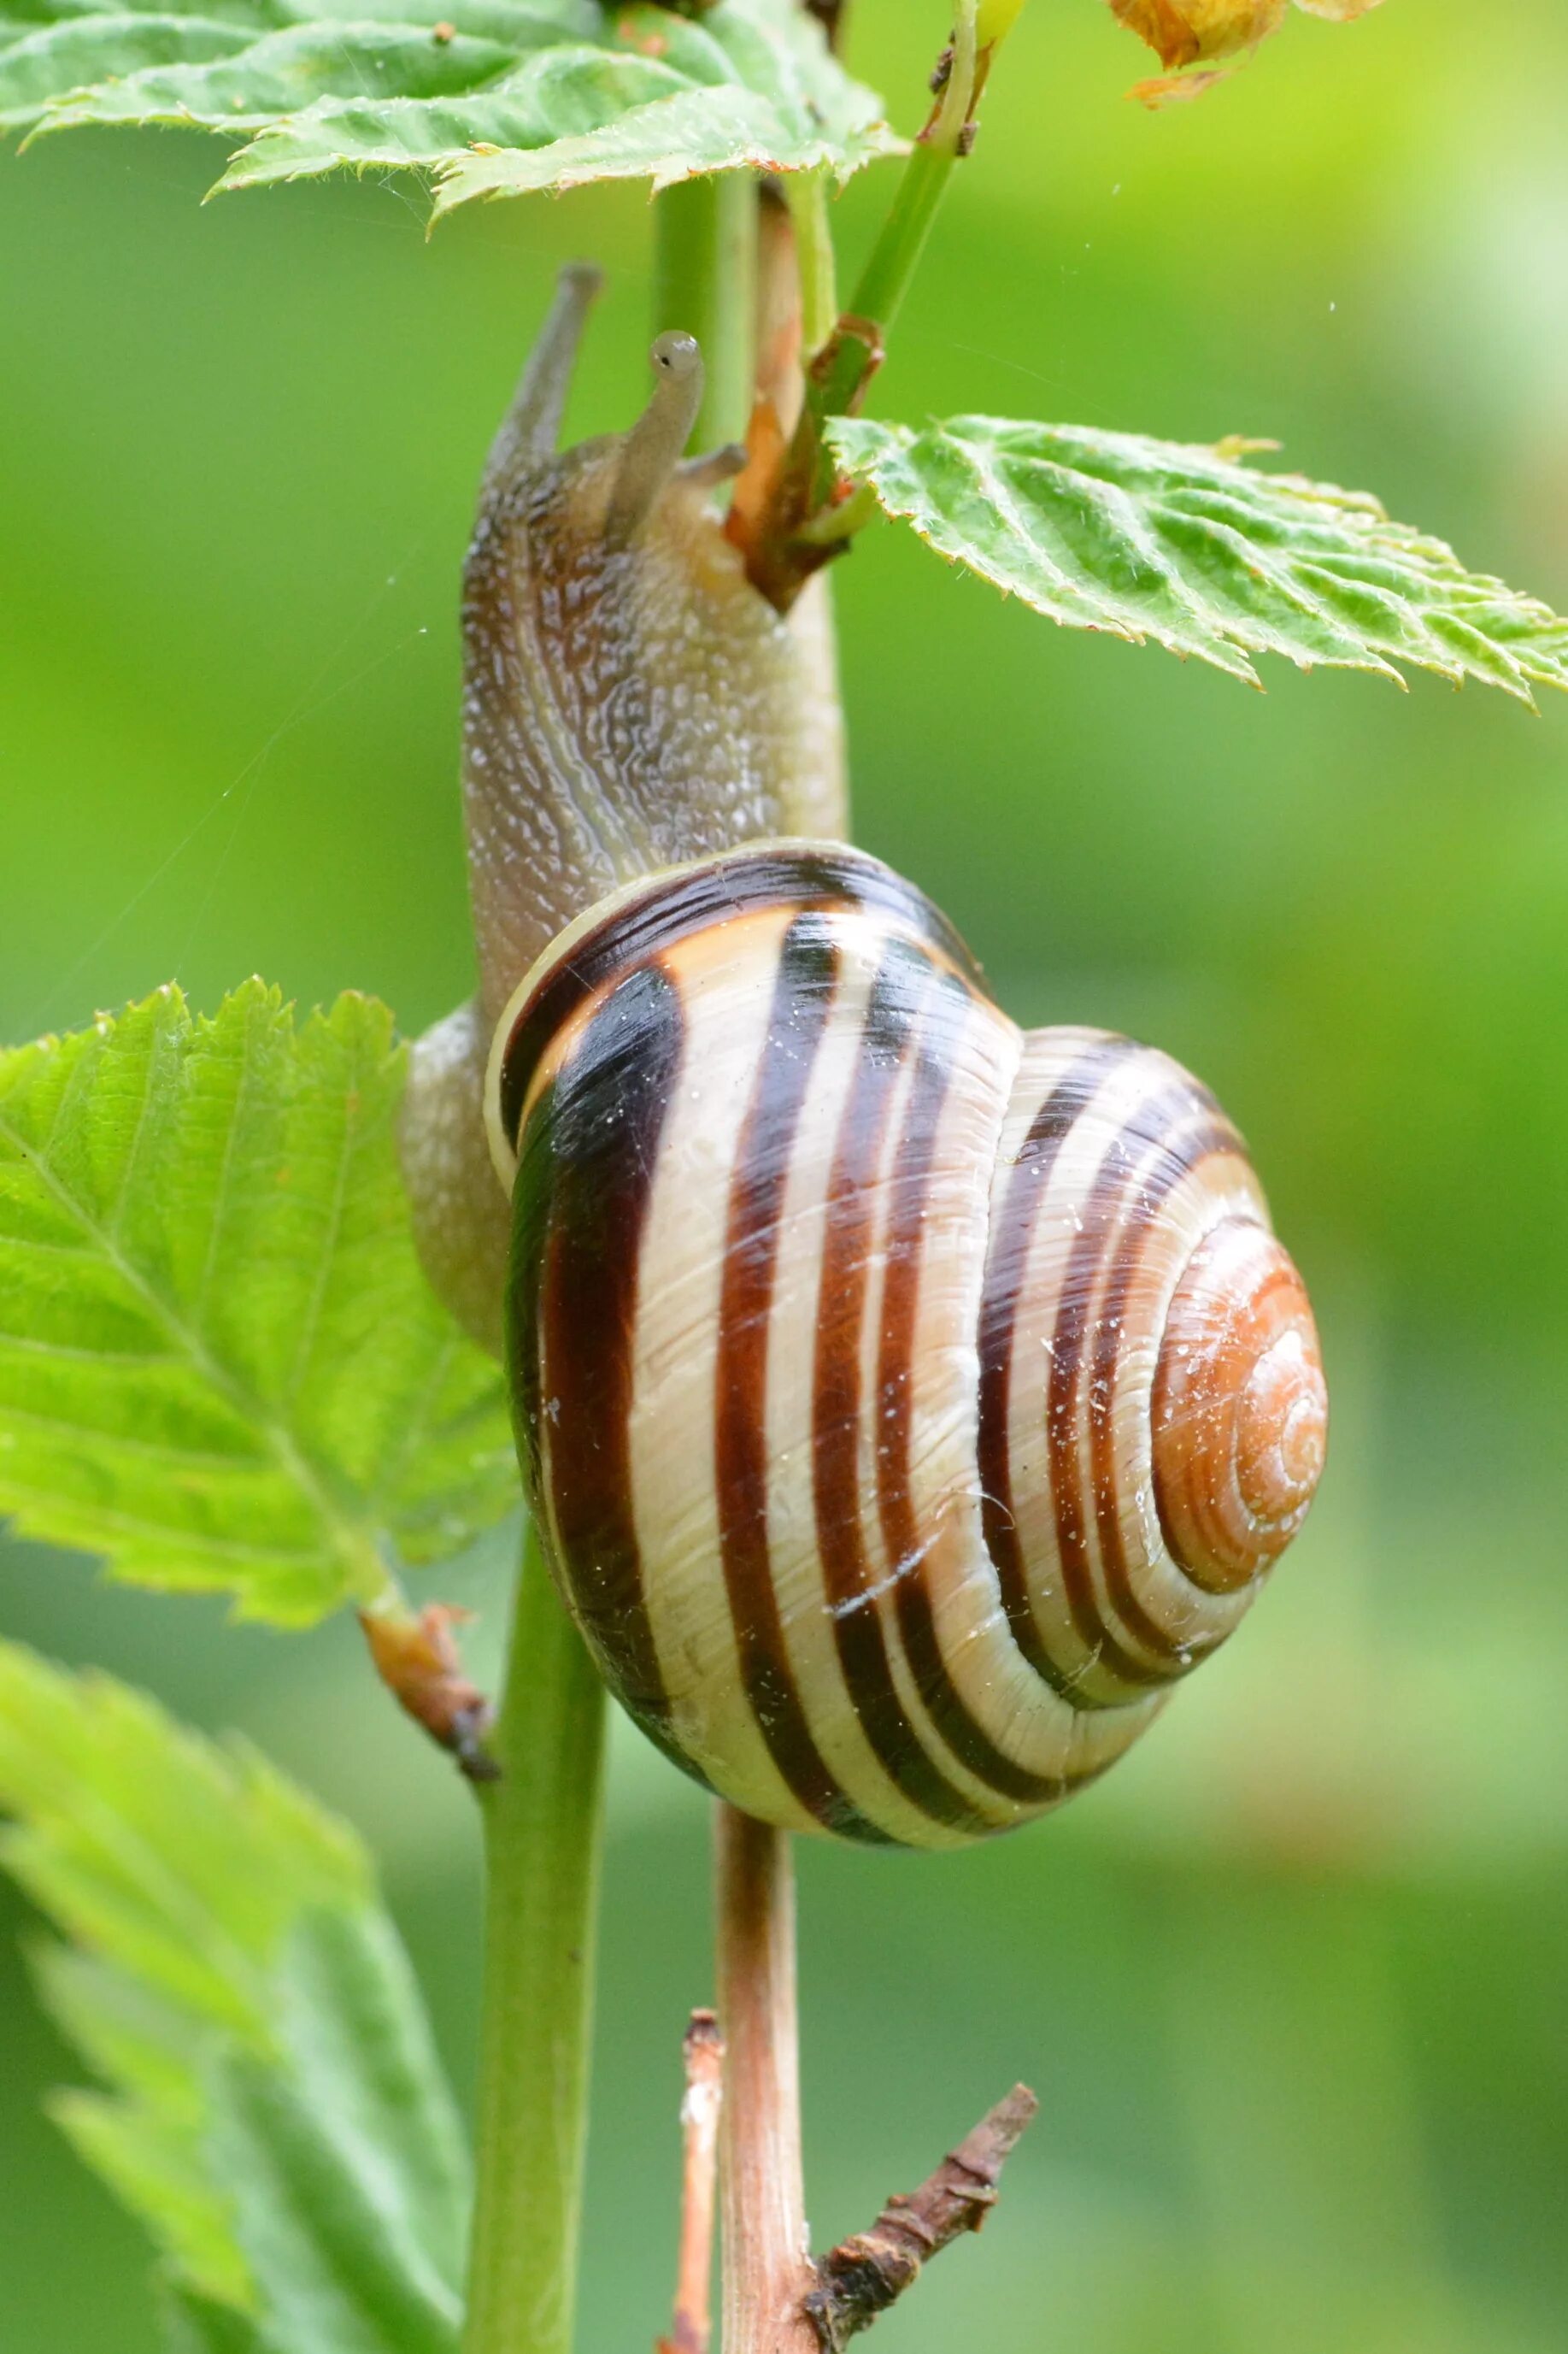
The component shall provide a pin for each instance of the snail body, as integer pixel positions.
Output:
(909, 1400)
(629, 701)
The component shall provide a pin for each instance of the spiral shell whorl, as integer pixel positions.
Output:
(1241, 1413)
(879, 1367)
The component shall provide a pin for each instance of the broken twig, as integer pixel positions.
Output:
(861, 2276)
(703, 2050)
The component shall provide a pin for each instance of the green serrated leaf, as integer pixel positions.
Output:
(193, 2325)
(220, 1363)
(273, 2110)
(350, 2210)
(493, 97)
(1186, 545)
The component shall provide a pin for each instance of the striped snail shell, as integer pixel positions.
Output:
(908, 1400)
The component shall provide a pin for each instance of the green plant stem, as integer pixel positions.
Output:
(542, 1838)
(705, 283)
(854, 354)
(805, 194)
(892, 260)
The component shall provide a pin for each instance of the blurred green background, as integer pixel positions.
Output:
(1291, 1983)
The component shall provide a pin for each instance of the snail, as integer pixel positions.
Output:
(906, 1401)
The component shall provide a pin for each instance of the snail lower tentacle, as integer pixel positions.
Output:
(652, 453)
(909, 1401)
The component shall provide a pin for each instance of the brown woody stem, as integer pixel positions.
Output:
(704, 2054)
(766, 2271)
(781, 554)
(861, 2276)
(787, 534)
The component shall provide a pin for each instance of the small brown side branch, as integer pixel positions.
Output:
(417, 1658)
(703, 2050)
(860, 2277)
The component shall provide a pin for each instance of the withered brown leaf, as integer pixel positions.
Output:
(1173, 89)
(1191, 32)
(1199, 33)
